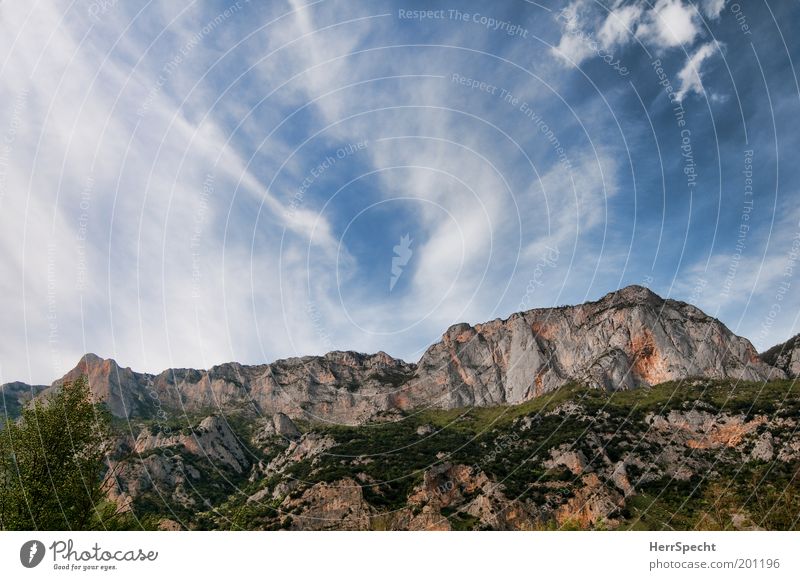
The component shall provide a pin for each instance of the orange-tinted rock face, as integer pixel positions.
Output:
(648, 363)
(446, 486)
(704, 430)
(400, 401)
(592, 503)
(544, 330)
(627, 339)
(464, 336)
(729, 435)
(339, 505)
(538, 383)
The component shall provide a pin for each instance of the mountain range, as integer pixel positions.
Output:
(554, 417)
(627, 339)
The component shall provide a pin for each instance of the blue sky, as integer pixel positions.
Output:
(187, 185)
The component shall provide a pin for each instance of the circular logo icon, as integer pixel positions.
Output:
(31, 553)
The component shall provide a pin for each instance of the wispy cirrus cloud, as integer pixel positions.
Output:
(189, 184)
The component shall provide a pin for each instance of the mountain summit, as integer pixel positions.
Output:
(627, 339)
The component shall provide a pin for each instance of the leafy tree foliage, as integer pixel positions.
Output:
(52, 463)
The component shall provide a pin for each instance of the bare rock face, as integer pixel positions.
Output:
(593, 502)
(345, 387)
(168, 476)
(785, 357)
(158, 462)
(628, 339)
(575, 461)
(285, 427)
(703, 430)
(122, 389)
(308, 446)
(279, 425)
(337, 506)
(459, 490)
(168, 525)
(763, 449)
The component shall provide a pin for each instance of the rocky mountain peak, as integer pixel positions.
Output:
(90, 364)
(627, 339)
(633, 294)
(120, 388)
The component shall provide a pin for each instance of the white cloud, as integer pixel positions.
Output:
(620, 25)
(177, 280)
(102, 190)
(689, 76)
(747, 290)
(670, 23)
(572, 49)
(712, 8)
(666, 24)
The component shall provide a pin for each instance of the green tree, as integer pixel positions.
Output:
(52, 463)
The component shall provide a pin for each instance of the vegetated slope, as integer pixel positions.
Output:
(707, 455)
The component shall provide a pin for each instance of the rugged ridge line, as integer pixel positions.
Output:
(785, 356)
(627, 339)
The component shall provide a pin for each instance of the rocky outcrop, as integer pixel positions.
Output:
(166, 476)
(463, 492)
(785, 356)
(14, 396)
(592, 492)
(162, 463)
(593, 503)
(345, 387)
(329, 506)
(563, 456)
(279, 425)
(309, 446)
(212, 439)
(168, 525)
(699, 429)
(628, 339)
(592, 459)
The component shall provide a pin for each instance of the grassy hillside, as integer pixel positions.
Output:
(717, 487)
